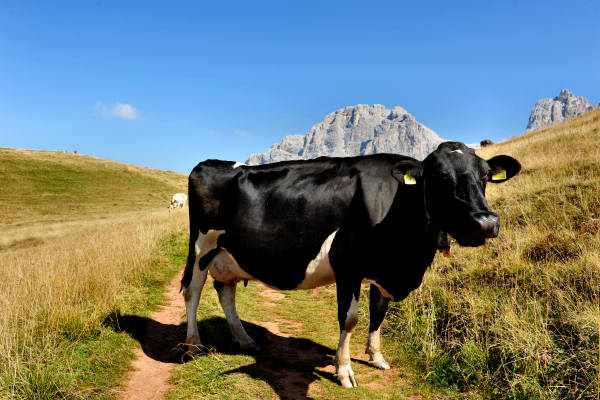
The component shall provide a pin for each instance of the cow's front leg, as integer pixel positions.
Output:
(378, 305)
(348, 317)
(198, 259)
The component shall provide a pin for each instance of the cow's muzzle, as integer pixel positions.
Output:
(481, 226)
(487, 226)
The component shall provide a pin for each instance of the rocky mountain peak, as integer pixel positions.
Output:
(356, 130)
(549, 111)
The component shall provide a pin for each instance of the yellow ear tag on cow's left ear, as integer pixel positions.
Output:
(499, 175)
(409, 179)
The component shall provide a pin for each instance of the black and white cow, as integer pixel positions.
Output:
(303, 224)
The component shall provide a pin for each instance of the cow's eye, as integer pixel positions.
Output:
(485, 178)
(439, 176)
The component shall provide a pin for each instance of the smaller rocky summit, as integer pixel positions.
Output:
(356, 130)
(549, 111)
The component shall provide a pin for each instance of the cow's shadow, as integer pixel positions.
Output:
(289, 365)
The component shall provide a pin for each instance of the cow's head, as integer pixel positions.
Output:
(454, 179)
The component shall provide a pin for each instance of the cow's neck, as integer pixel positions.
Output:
(408, 226)
(407, 241)
(410, 211)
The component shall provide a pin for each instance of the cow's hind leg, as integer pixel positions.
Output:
(226, 292)
(348, 317)
(378, 306)
(191, 295)
(192, 283)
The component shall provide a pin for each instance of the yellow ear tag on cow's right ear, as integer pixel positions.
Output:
(499, 175)
(409, 179)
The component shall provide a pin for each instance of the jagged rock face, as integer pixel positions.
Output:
(549, 111)
(356, 130)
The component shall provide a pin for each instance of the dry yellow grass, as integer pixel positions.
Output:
(67, 284)
(520, 317)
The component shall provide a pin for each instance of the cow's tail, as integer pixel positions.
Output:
(189, 266)
(194, 233)
(191, 258)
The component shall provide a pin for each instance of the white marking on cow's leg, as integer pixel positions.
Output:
(192, 293)
(343, 369)
(226, 293)
(377, 308)
(373, 350)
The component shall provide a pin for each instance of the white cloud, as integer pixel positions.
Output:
(212, 133)
(120, 110)
(240, 132)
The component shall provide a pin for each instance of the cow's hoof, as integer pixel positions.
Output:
(194, 349)
(379, 362)
(346, 377)
(193, 345)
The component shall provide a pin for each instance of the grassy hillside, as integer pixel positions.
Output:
(80, 237)
(520, 317)
(48, 185)
(47, 194)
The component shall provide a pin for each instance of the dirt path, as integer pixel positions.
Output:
(154, 361)
(292, 366)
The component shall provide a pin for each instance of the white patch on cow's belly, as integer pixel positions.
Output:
(223, 267)
(319, 271)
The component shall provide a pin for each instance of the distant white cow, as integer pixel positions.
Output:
(178, 200)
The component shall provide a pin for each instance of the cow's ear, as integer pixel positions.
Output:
(502, 168)
(408, 172)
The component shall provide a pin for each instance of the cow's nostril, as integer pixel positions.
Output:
(489, 225)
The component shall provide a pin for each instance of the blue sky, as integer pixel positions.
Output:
(169, 84)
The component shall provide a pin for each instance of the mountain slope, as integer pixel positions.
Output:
(356, 130)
